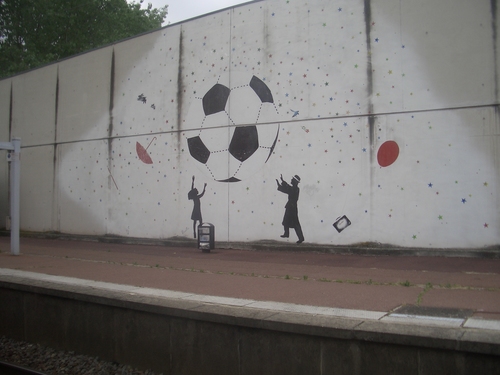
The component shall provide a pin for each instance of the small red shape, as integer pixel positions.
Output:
(387, 153)
(143, 154)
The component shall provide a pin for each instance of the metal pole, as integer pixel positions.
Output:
(15, 185)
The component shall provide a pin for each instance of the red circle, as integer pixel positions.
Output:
(387, 153)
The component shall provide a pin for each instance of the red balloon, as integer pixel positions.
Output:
(387, 153)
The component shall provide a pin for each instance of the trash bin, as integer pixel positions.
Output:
(206, 237)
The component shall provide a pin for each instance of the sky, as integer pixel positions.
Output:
(180, 10)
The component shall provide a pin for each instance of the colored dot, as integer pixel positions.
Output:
(387, 153)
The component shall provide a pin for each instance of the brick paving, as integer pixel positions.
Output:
(363, 282)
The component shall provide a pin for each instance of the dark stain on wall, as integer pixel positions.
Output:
(110, 126)
(369, 88)
(495, 37)
(180, 90)
(369, 73)
(266, 29)
(111, 93)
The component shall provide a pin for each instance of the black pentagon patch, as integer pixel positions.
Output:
(198, 150)
(215, 99)
(261, 90)
(244, 143)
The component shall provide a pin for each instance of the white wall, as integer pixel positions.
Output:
(417, 72)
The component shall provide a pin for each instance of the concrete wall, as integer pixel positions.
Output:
(173, 336)
(387, 110)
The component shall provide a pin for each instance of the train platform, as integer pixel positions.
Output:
(437, 290)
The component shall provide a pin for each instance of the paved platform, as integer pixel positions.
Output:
(424, 290)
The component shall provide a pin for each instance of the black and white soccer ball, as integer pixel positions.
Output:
(235, 130)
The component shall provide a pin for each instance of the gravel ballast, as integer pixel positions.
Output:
(56, 362)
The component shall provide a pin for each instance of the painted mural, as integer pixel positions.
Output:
(229, 143)
(195, 196)
(291, 217)
(386, 109)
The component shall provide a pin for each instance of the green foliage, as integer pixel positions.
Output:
(406, 283)
(36, 32)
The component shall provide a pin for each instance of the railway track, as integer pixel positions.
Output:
(11, 369)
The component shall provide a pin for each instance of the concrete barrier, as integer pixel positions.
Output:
(159, 330)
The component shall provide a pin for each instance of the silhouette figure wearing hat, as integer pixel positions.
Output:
(196, 215)
(291, 217)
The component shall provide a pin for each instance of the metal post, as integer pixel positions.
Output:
(15, 185)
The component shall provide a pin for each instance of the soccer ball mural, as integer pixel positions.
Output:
(238, 130)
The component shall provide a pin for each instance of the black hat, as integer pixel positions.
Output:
(296, 178)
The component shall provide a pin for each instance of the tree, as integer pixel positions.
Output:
(36, 32)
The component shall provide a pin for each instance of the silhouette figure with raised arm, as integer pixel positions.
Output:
(291, 217)
(196, 215)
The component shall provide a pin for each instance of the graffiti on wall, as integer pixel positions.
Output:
(358, 151)
(291, 217)
(236, 146)
(341, 223)
(387, 153)
(195, 197)
(142, 153)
